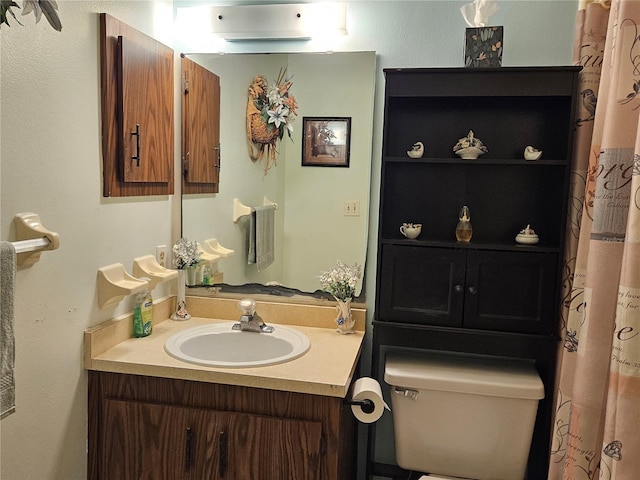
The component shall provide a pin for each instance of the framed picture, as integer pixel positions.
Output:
(326, 141)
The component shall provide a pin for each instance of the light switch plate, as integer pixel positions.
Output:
(352, 208)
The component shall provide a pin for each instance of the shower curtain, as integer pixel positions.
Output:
(596, 427)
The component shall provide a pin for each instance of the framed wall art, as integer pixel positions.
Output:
(326, 141)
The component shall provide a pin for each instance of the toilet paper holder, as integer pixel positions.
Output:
(366, 405)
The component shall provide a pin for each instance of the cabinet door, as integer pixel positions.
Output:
(163, 442)
(421, 285)
(143, 441)
(145, 103)
(200, 128)
(510, 291)
(271, 448)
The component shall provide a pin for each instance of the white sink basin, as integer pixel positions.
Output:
(217, 345)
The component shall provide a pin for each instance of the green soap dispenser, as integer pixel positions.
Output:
(464, 231)
(143, 313)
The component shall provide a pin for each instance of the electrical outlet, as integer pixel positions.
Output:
(352, 208)
(162, 254)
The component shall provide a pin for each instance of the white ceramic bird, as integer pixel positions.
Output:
(531, 153)
(417, 150)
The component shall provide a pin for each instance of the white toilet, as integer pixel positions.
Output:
(462, 416)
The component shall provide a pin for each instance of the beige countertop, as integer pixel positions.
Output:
(326, 369)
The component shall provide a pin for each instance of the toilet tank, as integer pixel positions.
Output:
(463, 416)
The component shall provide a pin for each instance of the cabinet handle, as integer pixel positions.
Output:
(472, 290)
(218, 151)
(188, 454)
(136, 157)
(222, 452)
(458, 289)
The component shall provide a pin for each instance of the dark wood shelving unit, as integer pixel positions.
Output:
(491, 296)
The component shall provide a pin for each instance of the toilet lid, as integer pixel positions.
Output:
(476, 375)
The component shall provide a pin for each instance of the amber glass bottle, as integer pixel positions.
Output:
(464, 231)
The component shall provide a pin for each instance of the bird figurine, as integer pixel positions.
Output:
(531, 153)
(589, 101)
(417, 150)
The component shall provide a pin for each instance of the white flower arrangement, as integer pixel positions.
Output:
(341, 281)
(277, 105)
(185, 254)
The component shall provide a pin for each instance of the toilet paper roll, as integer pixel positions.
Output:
(366, 388)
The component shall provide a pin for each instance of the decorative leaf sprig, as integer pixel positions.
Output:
(48, 8)
(635, 91)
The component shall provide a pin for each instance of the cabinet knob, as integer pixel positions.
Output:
(458, 289)
(472, 290)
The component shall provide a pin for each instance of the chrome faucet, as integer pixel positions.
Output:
(250, 321)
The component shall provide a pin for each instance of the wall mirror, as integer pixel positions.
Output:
(322, 211)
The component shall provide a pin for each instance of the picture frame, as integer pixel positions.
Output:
(326, 141)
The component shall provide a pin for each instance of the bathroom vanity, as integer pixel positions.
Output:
(153, 416)
(491, 296)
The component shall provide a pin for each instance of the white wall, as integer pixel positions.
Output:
(51, 164)
(317, 232)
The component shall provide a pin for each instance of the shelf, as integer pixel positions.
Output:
(542, 248)
(148, 267)
(520, 162)
(484, 342)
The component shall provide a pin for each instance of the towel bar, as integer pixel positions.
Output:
(32, 238)
(23, 246)
(241, 210)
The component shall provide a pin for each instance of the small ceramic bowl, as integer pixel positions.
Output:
(469, 153)
(527, 239)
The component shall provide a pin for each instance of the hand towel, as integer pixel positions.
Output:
(265, 236)
(7, 342)
(262, 237)
(251, 255)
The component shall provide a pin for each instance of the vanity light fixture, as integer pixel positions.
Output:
(279, 21)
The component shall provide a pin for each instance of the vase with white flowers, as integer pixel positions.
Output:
(185, 259)
(340, 282)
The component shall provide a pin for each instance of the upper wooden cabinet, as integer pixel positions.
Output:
(200, 128)
(137, 111)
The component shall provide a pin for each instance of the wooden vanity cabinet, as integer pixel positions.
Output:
(147, 427)
(137, 111)
(491, 296)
